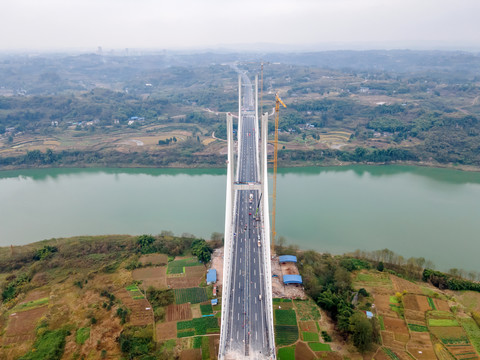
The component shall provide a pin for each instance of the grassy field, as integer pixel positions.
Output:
(206, 309)
(83, 334)
(135, 292)
(418, 328)
(199, 326)
(191, 295)
(473, 332)
(178, 266)
(32, 304)
(310, 336)
(285, 334)
(285, 317)
(442, 322)
(318, 346)
(286, 353)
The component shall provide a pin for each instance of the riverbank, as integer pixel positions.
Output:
(161, 159)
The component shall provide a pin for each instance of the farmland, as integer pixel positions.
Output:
(190, 295)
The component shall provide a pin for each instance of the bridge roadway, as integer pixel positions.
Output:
(247, 327)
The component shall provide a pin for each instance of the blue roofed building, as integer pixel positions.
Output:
(287, 258)
(214, 301)
(292, 279)
(211, 276)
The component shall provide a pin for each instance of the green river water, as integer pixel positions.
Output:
(434, 213)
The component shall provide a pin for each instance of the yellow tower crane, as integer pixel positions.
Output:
(278, 101)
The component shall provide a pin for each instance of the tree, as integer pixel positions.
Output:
(145, 243)
(380, 266)
(362, 331)
(202, 251)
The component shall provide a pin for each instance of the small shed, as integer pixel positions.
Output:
(287, 258)
(369, 314)
(211, 276)
(292, 279)
(214, 302)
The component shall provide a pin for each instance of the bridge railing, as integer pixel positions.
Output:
(227, 273)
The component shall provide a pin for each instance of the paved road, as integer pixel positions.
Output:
(247, 332)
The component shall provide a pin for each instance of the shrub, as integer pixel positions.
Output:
(49, 346)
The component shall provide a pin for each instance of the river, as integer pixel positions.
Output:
(414, 211)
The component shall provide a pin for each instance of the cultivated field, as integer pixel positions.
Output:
(151, 276)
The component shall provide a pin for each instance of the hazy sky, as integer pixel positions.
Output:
(86, 24)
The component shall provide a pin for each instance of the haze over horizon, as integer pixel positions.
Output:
(240, 25)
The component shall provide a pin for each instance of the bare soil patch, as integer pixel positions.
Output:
(141, 310)
(327, 355)
(166, 330)
(401, 285)
(217, 264)
(395, 325)
(388, 339)
(183, 282)
(416, 302)
(21, 325)
(289, 268)
(303, 352)
(308, 326)
(279, 290)
(415, 317)
(191, 354)
(151, 276)
(442, 305)
(154, 259)
(178, 312)
(459, 351)
(214, 342)
(196, 313)
(35, 295)
(382, 304)
(421, 346)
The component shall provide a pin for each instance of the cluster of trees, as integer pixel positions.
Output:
(184, 153)
(202, 250)
(448, 281)
(328, 281)
(167, 141)
(362, 155)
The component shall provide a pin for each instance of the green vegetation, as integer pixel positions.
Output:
(32, 304)
(285, 334)
(419, 328)
(431, 303)
(45, 252)
(83, 334)
(447, 281)
(318, 346)
(381, 323)
(13, 288)
(202, 251)
(191, 295)
(199, 326)
(49, 346)
(205, 348)
(473, 332)
(197, 342)
(135, 292)
(285, 317)
(136, 341)
(178, 266)
(443, 322)
(326, 337)
(206, 309)
(286, 353)
(390, 353)
(307, 310)
(310, 336)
